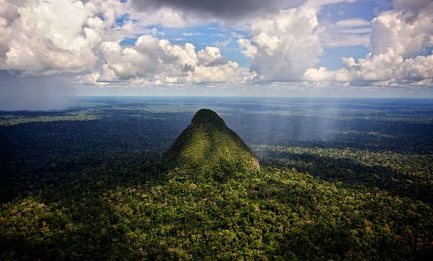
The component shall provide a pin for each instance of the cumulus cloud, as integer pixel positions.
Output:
(81, 39)
(45, 44)
(157, 60)
(165, 16)
(43, 38)
(248, 49)
(402, 32)
(49, 37)
(8, 13)
(401, 50)
(285, 44)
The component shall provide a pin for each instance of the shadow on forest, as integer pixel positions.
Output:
(37, 156)
(354, 174)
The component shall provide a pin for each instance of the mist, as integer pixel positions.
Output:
(18, 93)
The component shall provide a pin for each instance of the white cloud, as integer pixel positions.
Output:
(192, 34)
(43, 38)
(8, 13)
(400, 42)
(49, 37)
(247, 48)
(287, 44)
(222, 73)
(164, 16)
(156, 60)
(382, 69)
(223, 44)
(210, 55)
(82, 38)
(403, 33)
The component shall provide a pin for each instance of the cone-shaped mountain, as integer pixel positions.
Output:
(208, 144)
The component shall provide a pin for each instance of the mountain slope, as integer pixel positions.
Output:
(209, 145)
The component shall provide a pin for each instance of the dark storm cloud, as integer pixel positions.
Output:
(228, 9)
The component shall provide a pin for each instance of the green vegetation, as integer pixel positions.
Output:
(10, 120)
(98, 190)
(210, 146)
(280, 213)
(400, 174)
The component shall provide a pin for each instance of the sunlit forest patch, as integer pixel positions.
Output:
(10, 120)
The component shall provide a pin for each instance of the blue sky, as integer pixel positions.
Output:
(364, 9)
(230, 47)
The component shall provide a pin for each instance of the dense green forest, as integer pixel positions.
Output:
(339, 180)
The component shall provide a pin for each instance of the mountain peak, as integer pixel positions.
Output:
(207, 117)
(207, 144)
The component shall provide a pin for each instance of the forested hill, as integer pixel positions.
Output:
(208, 145)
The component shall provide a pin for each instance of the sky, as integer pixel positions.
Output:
(50, 49)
